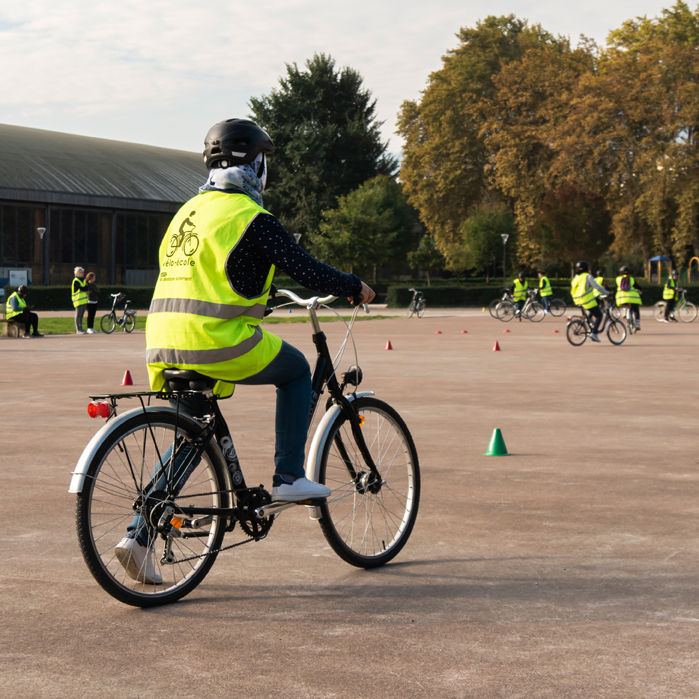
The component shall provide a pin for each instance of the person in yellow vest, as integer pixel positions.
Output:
(79, 296)
(16, 309)
(519, 291)
(670, 292)
(545, 291)
(599, 278)
(628, 295)
(582, 289)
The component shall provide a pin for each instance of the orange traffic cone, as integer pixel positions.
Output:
(464, 332)
(389, 346)
(555, 331)
(439, 332)
(506, 330)
(127, 380)
(496, 347)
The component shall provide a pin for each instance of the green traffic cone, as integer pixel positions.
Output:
(497, 445)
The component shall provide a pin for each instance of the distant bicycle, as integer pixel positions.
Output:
(686, 310)
(532, 310)
(557, 307)
(495, 302)
(127, 321)
(417, 305)
(579, 329)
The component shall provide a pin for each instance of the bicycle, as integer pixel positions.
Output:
(492, 308)
(580, 328)
(557, 307)
(532, 310)
(417, 305)
(633, 323)
(127, 321)
(182, 476)
(686, 310)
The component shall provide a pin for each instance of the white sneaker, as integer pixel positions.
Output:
(300, 489)
(137, 561)
(91, 331)
(594, 337)
(80, 332)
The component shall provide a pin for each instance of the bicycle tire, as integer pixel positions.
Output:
(576, 332)
(120, 468)
(505, 311)
(659, 311)
(535, 312)
(358, 525)
(493, 306)
(688, 312)
(411, 310)
(420, 310)
(557, 307)
(616, 332)
(130, 322)
(615, 312)
(108, 323)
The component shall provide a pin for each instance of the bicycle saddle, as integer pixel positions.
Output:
(187, 380)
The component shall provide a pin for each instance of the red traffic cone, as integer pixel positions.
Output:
(496, 347)
(506, 330)
(389, 346)
(568, 318)
(439, 332)
(555, 331)
(464, 332)
(127, 380)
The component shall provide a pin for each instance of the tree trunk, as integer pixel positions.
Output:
(428, 277)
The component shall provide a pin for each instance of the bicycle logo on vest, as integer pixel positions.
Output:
(186, 239)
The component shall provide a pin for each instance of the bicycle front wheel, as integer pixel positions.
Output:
(108, 323)
(576, 332)
(493, 307)
(557, 307)
(659, 311)
(505, 311)
(616, 332)
(114, 498)
(535, 312)
(130, 322)
(410, 311)
(688, 312)
(366, 528)
(421, 309)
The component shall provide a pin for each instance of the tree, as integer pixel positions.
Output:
(370, 225)
(327, 141)
(445, 154)
(427, 256)
(481, 237)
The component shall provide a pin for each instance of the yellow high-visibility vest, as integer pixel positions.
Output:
(80, 296)
(196, 319)
(545, 287)
(520, 290)
(670, 290)
(631, 296)
(582, 296)
(9, 313)
(600, 281)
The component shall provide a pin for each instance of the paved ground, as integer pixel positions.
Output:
(568, 569)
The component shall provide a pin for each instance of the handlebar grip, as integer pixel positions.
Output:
(356, 300)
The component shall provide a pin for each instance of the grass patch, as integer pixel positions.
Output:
(66, 326)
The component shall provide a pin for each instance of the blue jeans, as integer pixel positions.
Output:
(545, 302)
(290, 373)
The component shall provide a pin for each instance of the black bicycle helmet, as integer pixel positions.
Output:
(22, 290)
(674, 273)
(599, 273)
(520, 275)
(581, 267)
(235, 142)
(624, 270)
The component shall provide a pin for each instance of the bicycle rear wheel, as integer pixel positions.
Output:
(557, 307)
(505, 311)
(616, 332)
(535, 312)
(421, 309)
(688, 312)
(108, 323)
(411, 310)
(368, 529)
(659, 311)
(576, 332)
(130, 322)
(116, 479)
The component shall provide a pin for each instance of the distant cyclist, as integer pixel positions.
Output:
(628, 295)
(519, 291)
(582, 289)
(545, 292)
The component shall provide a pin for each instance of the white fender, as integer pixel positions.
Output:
(316, 450)
(78, 480)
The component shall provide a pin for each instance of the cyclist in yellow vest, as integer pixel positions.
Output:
(519, 291)
(217, 262)
(79, 295)
(545, 291)
(582, 289)
(599, 278)
(670, 292)
(628, 295)
(16, 309)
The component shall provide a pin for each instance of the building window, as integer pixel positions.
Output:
(138, 238)
(16, 236)
(75, 237)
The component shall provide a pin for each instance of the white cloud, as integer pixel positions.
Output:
(162, 72)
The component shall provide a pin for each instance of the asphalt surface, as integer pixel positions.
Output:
(567, 569)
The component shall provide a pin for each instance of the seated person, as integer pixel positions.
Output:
(16, 310)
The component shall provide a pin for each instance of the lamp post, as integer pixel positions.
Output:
(41, 232)
(504, 237)
(297, 237)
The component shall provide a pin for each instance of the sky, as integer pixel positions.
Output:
(162, 72)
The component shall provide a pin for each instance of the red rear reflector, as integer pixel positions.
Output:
(95, 409)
